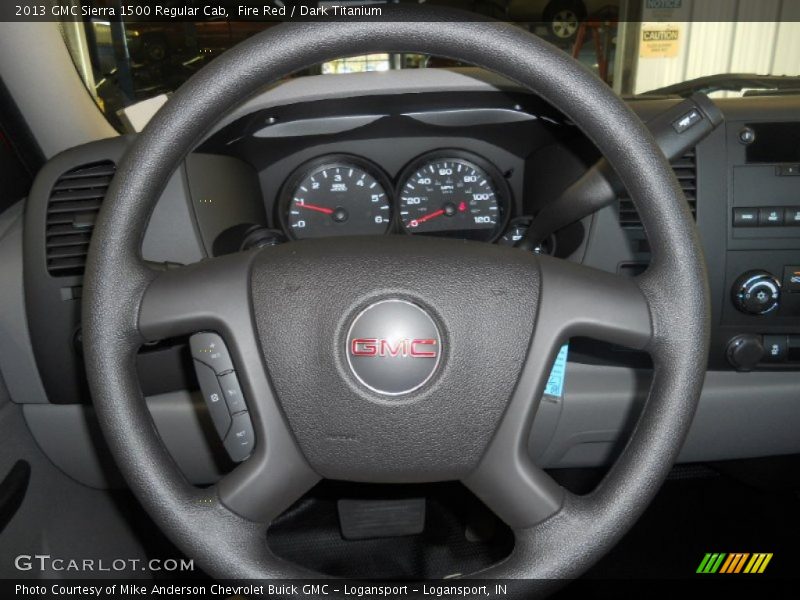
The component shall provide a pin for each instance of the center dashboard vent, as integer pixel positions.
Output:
(685, 169)
(71, 211)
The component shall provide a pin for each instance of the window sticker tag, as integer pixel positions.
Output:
(555, 383)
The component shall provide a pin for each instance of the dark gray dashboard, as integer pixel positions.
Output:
(234, 180)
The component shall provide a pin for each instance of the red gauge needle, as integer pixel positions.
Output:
(322, 209)
(432, 215)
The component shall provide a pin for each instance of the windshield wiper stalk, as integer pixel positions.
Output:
(676, 130)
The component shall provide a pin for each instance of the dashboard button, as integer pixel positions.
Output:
(240, 439)
(215, 401)
(792, 216)
(787, 170)
(747, 136)
(793, 353)
(745, 217)
(209, 348)
(770, 217)
(791, 279)
(775, 348)
(232, 392)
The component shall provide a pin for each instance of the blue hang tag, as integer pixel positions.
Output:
(555, 383)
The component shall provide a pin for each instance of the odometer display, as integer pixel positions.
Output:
(453, 197)
(336, 197)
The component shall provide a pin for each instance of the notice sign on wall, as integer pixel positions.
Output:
(659, 40)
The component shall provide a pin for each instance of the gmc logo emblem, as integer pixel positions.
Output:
(384, 342)
(416, 348)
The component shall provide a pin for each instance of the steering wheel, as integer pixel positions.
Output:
(485, 324)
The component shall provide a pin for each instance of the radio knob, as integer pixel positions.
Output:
(756, 292)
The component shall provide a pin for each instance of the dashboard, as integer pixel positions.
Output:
(475, 159)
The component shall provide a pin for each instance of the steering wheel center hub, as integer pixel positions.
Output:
(391, 356)
(393, 347)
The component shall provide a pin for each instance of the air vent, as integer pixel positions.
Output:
(71, 211)
(685, 169)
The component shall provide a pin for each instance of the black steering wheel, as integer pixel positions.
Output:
(493, 319)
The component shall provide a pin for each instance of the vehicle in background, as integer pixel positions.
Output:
(562, 18)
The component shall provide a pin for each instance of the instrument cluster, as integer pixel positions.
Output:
(443, 193)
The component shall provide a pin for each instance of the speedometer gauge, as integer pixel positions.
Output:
(456, 196)
(333, 196)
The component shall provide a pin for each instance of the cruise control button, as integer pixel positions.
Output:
(240, 439)
(775, 348)
(745, 217)
(212, 394)
(232, 392)
(209, 348)
(770, 216)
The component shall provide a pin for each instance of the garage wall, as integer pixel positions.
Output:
(721, 36)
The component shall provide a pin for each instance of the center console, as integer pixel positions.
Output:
(759, 325)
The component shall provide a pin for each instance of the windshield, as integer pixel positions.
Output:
(640, 47)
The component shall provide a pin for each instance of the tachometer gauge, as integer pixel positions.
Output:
(336, 196)
(456, 196)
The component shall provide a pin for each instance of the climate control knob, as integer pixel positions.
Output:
(756, 292)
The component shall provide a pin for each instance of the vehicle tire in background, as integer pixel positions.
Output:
(563, 17)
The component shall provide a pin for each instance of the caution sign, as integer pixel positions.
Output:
(659, 40)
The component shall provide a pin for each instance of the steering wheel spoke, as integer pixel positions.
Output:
(268, 482)
(210, 295)
(582, 301)
(514, 488)
(574, 300)
(213, 295)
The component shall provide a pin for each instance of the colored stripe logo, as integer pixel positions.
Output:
(736, 562)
